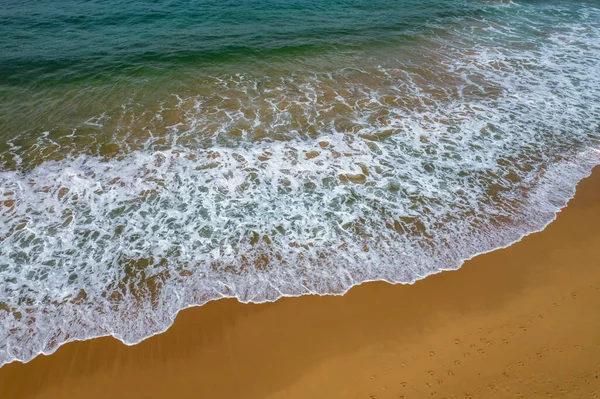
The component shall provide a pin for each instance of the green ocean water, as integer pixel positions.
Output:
(63, 61)
(155, 155)
(48, 42)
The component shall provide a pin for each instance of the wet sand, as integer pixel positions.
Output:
(518, 322)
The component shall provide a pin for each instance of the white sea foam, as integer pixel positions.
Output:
(389, 172)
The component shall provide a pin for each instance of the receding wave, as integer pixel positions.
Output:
(259, 187)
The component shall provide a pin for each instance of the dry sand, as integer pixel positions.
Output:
(519, 322)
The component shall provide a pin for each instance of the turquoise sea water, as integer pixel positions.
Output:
(158, 155)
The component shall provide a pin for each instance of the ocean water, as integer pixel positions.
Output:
(156, 155)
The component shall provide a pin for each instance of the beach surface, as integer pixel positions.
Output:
(517, 322)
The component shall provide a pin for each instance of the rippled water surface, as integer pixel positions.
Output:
(158, 155)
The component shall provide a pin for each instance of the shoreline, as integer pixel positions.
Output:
(343, 331)
(579, 172)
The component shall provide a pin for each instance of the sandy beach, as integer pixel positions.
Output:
(518, 322)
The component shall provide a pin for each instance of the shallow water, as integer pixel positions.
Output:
(155, 157)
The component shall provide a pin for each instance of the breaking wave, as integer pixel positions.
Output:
(310, 183)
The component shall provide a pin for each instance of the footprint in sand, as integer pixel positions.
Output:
(430, 372)
(481, 351)
(505, 341)
(457, 362)
(523, 328)
(431, 353)
(466, 354)
(457, 341)
(403, 384)
(450, 372)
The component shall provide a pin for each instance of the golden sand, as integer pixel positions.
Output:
(522, 322)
